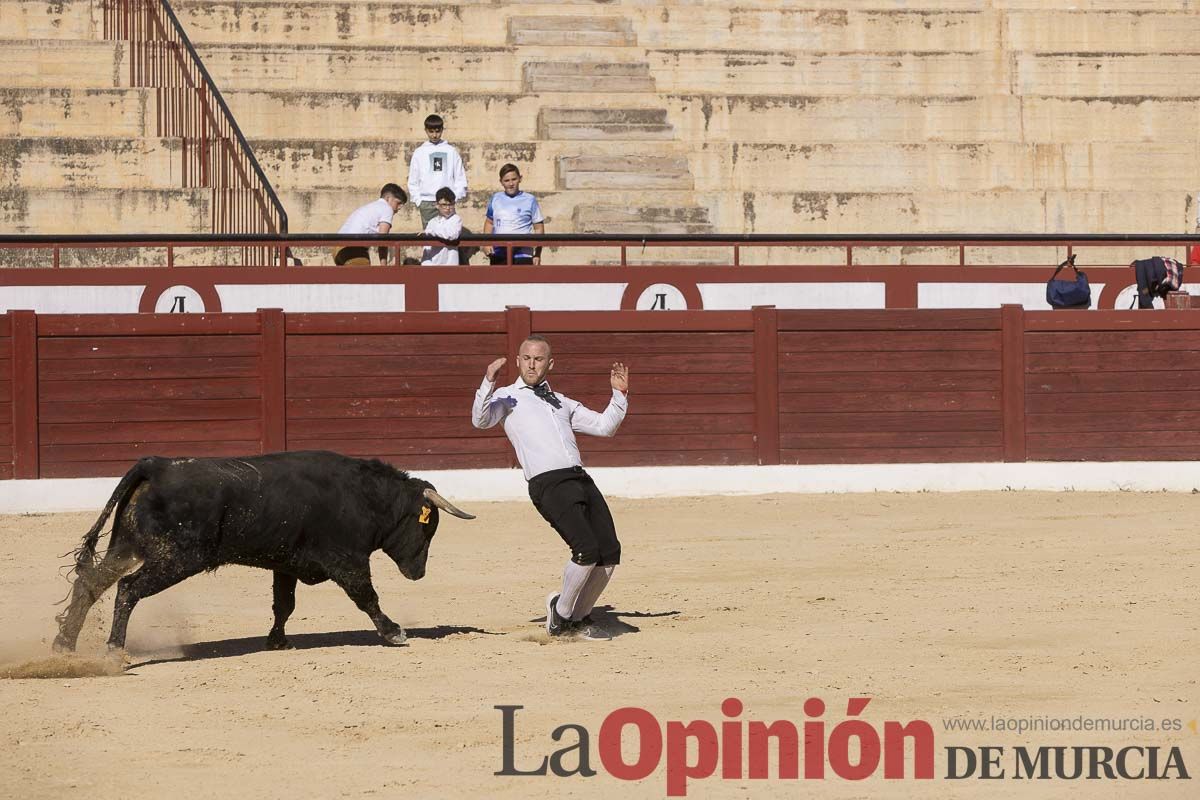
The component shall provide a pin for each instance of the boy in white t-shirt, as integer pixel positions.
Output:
(373, 218)
(446, 226)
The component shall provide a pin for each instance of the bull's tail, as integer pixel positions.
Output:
(87, 581)
(85, 555)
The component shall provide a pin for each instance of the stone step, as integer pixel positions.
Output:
(572, 30)
(593, 124)
(53, 63)
(1107, 74)
(815, 212)
(373, 23)
(340, 67)
(939, 166)
(90, 163)
(358, 23)
(330, 163)
(851, 167)
(505, 70)
(799, 26)
(1137, 28)
(775, 73)
(727, 118)
(324, 210)
(587, 76)
(43, 19)
(625, 220)
(78, 112)
(822, 27)
(98, 211)
(488, 117)
(613, 172)
(346, 68)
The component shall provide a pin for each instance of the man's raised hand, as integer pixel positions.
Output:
(619, 377)
(494, 369)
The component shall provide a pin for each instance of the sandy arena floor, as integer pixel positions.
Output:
(935, 606)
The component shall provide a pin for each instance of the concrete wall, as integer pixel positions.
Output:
(813, 116)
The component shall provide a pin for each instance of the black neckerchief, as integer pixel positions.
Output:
(542, 390)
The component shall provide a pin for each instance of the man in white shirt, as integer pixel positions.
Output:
(434, 165)
(373, 218)
(447, 227)
(541, 425)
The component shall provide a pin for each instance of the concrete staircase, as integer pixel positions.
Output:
(767, 116)
(78, 148)
(562, 89)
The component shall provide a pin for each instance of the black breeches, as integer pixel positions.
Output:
(569, 500)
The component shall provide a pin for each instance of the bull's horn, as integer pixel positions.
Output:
(446, 505)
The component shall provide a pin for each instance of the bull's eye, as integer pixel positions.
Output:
(425, 512)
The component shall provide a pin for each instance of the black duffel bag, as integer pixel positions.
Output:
(1069, 294)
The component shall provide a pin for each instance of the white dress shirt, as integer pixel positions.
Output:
(543, 436)
(438, 255)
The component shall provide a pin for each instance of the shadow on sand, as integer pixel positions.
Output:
(614, 622)
(232, 648)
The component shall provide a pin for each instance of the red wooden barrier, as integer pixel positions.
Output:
(891, 386)
(84, 395)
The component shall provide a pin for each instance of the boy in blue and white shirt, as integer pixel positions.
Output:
(513, 212)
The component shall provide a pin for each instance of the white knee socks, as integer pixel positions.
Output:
(575, 577)
(592, 591)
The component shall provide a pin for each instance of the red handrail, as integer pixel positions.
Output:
(215, 154)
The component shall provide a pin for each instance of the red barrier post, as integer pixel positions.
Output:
(26, 462)
(766, 384)
(1012, 381)
(273, 372)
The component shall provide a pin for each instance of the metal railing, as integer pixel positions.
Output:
(215, 154)
(855, 251)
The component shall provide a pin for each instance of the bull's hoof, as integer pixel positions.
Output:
(395, 638)
(62, 645)
(118, 656)
(278, 643)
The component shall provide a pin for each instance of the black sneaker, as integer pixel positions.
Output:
(590, 632)
(556, 624)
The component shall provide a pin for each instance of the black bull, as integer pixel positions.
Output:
(309, 516)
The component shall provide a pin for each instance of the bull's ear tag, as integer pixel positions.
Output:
(425, 512)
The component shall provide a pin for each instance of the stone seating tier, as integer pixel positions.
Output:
(802, 116)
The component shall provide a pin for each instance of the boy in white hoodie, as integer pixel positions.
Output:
(446, 226)
(436, 164)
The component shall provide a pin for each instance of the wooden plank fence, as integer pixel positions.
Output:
(86, 395)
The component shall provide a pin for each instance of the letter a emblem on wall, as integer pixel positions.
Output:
(179, 300)
(661, 297)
